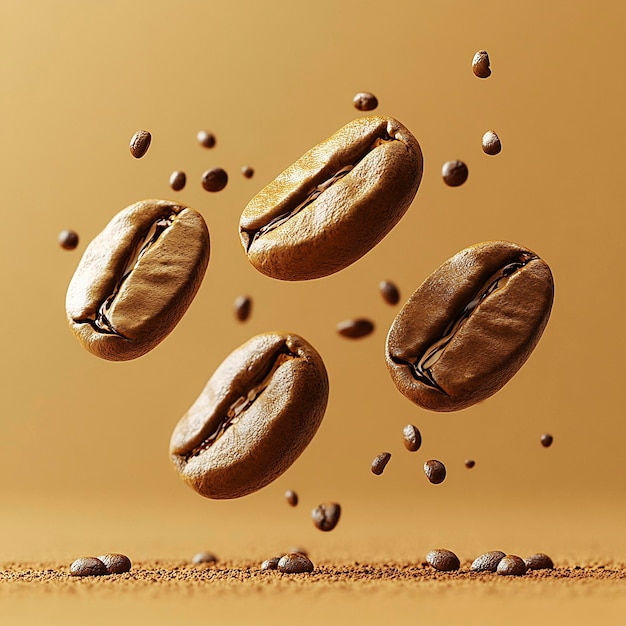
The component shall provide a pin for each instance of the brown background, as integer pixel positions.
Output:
(83, 443)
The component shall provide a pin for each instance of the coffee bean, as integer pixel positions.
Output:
(491, 143)
(247, 171)
(116, 563)
(326, 516)
(487, 562)
(380, 463)
(178, 180)
(214, 179)
(292, 498)
(139, 143)
(435, 471)
(443, 560)
(480, 64)
(204, 558)
(365, 101)
(343, 182)
(389, 292)
(137, 278)
(68, 239)
(270, 563)
(254, 418)
(88, 566)
(206, 139)
(546, 440)
(511, 565)
(355, 329)
(412, 438)
(539, 561)
(469, 463)
(295, 563)
(470, 326)
(454, 173)
(243, 307)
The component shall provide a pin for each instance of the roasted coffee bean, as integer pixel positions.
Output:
(487, 562)
(511, 565)
(139, 143)
(204, 558)
(454, 173)
(295, 563)
(380, 463)
(291, 497)
(355, 329)
(206, 139)
(470, 326)
(335, 203)
(389, 292)
(254, 418)
(88, 566)
(178, 180)
(435, 471)
(270, 563)
(137, 278)
(480, 64)
(68, 239)
(443, 560)
(412, 438)
(214, 179)
(247, 171)
(546, 440)
(469, 463)
(491, 143)
(539, 561)
(326, 516)
(116, 563)
(365, 101)
(243, 308)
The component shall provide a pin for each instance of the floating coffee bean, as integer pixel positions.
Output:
(412, 438)
(539, 561)
(243, 307)
(137, 278)
(206, 139)
(204, 558)
(491, 143)
(469, 463)
(270, 563)
(295, 563)
(511, 565)
(487, 562)
(116, 563)
(480, 64)
(139, 143)
(389, 292)
(335, 203)
(443, 560)
(435, 471)
(68, 239)
(247, 171)
(88, 566)
(292, 498)
(178, 180)
(546, 440)
(355, 329)
(365, 101)
(470, 326)
(380, 463)
(214, 180)
(454, 173)
(326, 516)
(254, 418)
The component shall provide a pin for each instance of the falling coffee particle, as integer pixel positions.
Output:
(139, 143)
(469, 463)
(214, 179)
(435, 471)
(491, 143)
(546, 440)
(270, 563)
(412, 438)
(178, 180)
(291, 497)
(365, 101)
(454, 173)
(539, 561)
(511, 565)
(68, 239)
(204, 558)
(326, 516)
(206, 139)
(116, 563)
(380, 462)
(355, 329)
(88, 566)
(480, 64)
(443, 560)
(247, 171)
(389, 292)
(487, 562)
(295, 563)
(243, 307)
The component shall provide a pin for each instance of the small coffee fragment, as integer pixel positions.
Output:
(469, 463)
(389, 292)
(68, 239)
(546, 440)
(539, 561)
(247, 171)
(214, 179)
(295, 563)
(206, 139)
(243, 307)
(116, 563)
(454, 173)
(487, 562)
(365, 101)
(491, 143)
(480, 64)
(355, 329)
(139, 143)
(326, 516)
(412, 438)
(178, 180)
(443, 560)
(511, 565)
(88, 566)
(435, 471)
(204, 558)
(380, 462)
(270, 563)
(291, 497)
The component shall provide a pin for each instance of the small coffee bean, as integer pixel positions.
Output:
(270, 563)
(511, 565)
(214, 179)
(539, 561)
(88, 566)
(247, 171)
(116, 563)
(454, 173)
(204, 558)
(243, 307)
(487, 562)
(546, 440)
(412, 438)
(443, 560)
(68, 239)
(380, 463)
(295, 563)
(291, 497)
(206, 139)
(178, 180)
(389, 292)
(491, 143)
(139, 143)
(480, 64)
(435, 471)
(355, 329)
(365, 101)
(326, 516)
(469, 463)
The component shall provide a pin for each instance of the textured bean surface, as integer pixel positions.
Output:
(511, 565)
(116, 563)
(443, 560)
(295, 563)
(487, 562)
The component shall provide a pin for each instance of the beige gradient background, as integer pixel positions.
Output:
(84, 466)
